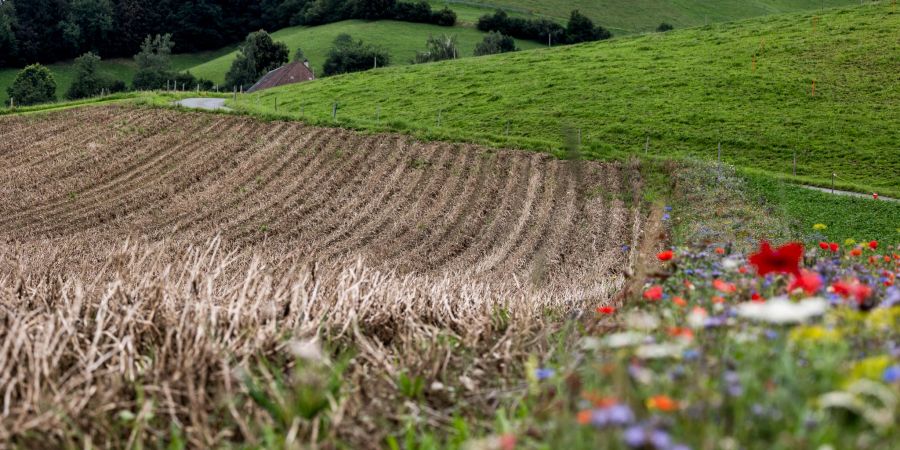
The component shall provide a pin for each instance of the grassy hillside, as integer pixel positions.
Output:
(632, 16)
(687, 90)
(402, 39)
(121, 69)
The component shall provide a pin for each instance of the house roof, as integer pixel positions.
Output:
(295, 72)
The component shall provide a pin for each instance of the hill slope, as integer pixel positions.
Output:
(401, 39)
(687, 90)
(634, 16)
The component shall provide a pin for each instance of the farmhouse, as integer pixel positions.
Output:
(295, 72)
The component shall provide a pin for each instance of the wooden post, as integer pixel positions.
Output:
(378, 113)
(12, 103)
(276, 103)
(507, 127)
(754, 64)
(334, 108)
(234, 95)
(795, 163)
(198, 88)
(647, 146)
(814, 88)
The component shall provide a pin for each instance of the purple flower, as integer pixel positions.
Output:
(667, 208)
(891, 374)
(620, 415)
(666, 217)
(635, 437)
(771, 335)
(543, 374)
(660, 439)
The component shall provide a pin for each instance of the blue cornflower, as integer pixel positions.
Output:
(543, 374)
(891, 374)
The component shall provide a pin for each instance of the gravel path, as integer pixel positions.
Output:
(847, 193)
(211, 104)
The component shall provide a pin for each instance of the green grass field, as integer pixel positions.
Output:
(120, 69)
(634, 16)
(687, 90)
(401, 39)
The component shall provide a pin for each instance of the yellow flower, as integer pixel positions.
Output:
(814, 334)
(820, 226)
(883, 318)
(850, 241)
(871, 368)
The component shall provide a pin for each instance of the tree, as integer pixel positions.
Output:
(495, 42)
(38, 32)
(373, 9)
(88, 79)
(582, 29)
(299, 55)
(33, 84)
(154, 63)
(347, 55)
(9, 46)
(663, 27)
(199, 25)
(88, 24)
(257, 56)
(438, 49)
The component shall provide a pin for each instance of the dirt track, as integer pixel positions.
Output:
(89, 178)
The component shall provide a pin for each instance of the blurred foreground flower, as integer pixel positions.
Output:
(820, 227)
(781, 310)
(784, 259)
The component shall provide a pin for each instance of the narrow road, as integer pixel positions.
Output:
(847, 193)
(211, 104)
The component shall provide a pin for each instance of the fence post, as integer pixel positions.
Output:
(276, 103)
(795, 162)
(647, 146)
(234, 95)
(12, 103)
(719, 158)
(334, 108)
(198, 88)
(507, 127)
(579, 137)
(832, 181)
(378, 113)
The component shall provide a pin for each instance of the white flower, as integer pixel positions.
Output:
(307, 349)
(624, 339)
(697, 318)
(641, 321)
(731, 263)
(659, 351)
(781, 310)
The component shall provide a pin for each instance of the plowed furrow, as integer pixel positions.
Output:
(345, 179)
(262, 168)
(154, 152)
(430, 238)
(128, 188)
(461, 227)
(387, 221)
(360, 204)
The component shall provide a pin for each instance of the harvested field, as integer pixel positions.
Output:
(152, 259)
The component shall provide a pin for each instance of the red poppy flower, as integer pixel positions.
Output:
(834, 247)
(757, 298)
(742, 269)
(784, 259)
(682, 332)
(720, 251)
(665, 256)
(654, 293)
(875, 195)
(823, 245)
(888, 283)
(853, 289)
(718, 299)
(809, 281)
(584, 416)
(873, 245)
(723, 286)
(662, 403)
(606, 310)
(887, 259)
(679, 301)
(856, 252)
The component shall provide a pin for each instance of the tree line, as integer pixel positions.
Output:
(580, 28)
(53, 30)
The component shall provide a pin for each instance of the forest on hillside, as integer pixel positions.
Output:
(51, 30)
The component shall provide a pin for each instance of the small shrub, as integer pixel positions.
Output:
(495, 42)
(663, 27)
(33, 84)
(348, 55)
(438, 49)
